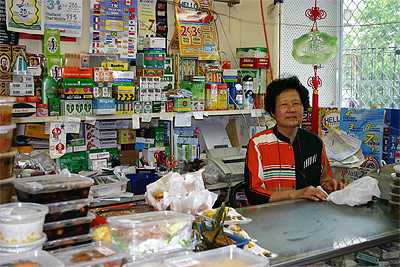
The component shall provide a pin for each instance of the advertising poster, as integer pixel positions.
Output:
(65, 15)
(147, 20)
(25, 16)
(114, 27)
(196, 29)
(367, 126)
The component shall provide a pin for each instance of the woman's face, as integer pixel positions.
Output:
(288, 109)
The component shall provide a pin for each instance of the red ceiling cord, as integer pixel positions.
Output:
(266, 38)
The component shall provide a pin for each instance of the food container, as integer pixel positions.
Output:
(67, 228)
(225, 256)
(67, 242)
(156, 260)
(396, 179)
(396, 168)
(6, 133)
(6, 187)
(6, 106)
(395, 206)
(139, 181)
(395, 188)
(395, 197)
(52, 188)
(7, 163)
(21, 222)
(94, 254)
(6, 249)
(67, 210)
(125, 209)
(31, 258)
(152, 232)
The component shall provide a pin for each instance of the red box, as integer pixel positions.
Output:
(254, 63)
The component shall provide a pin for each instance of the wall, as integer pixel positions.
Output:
(237, 26)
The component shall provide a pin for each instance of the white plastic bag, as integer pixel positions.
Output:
(356, 193)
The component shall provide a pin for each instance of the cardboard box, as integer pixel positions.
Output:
(129, 157)
(251, 52)
(126, 136)
(254, 63)
(36, 130)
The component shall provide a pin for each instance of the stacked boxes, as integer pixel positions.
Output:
(101, 135)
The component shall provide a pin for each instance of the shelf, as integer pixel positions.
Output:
(129, 116)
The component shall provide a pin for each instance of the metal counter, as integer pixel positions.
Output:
(304, 231)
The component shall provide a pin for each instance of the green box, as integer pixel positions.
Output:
(251, 52)
(78, 83)
(51, 42)
(198, 88)
(54, 107)
(75, 161)
(157, 133)
(182, 104)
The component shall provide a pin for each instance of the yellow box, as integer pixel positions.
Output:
(211, 96)
(222, 97)
(35, 130)
(116, 65)
(126, 136)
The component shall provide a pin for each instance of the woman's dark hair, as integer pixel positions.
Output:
(276, 87)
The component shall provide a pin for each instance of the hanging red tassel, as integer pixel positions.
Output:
(314, 82)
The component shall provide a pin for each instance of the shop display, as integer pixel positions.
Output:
(21, 222)
(68, 228)
(153, 232)
(54, 188)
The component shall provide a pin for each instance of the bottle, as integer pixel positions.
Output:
(239, 96)
(248, 89)
(49, 89)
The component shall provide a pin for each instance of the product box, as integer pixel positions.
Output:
(102, 125)
(222, 102)
(251, 52)
(254, 63)
(150, 61)
(154, 44)
(101, 74)
(149, 72)
(102, 91)
(100, 134)
(24, 109)
(6, 61)
(329, 118)
(54, 66)
(126, 136)
(168, 66)
(21, 89)
(19, 58)
(124, 96)
(138, 106)
(116, 66)
(182, 104)
(75, 91)
(76, 107)
(78, 83)
(35, 130)
(167, 82)
(54, 107)
(51, 42)
(129, 157)
(197, 105)
(147, 107)
(211, 94)
(98, 144)
(97, 164)
(123, 77)
(103, 106)
(76, 73)
(42, 110)
(157, 133)
(259, 77)
(230, 75)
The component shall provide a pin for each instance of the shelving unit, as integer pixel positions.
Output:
(129, 116)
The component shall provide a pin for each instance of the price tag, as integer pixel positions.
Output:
(135, 121)
(198, 115)
(72, 125)
(105, 251)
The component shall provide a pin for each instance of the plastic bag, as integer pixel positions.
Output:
(185, 194)
(356, 193)
(210, 174)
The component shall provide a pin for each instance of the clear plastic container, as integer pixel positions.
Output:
(7, 163)
(151, 232)
(156, 260)
(6, 106)
(396, 178)
(6, 134)
(6, 187)
(68, 242)
(67, 228)
(21, 223)
(396, 169)
(31, 258)
(52, 188)
(94, 254)
(6, 249)
(67, 210)
(225, 256)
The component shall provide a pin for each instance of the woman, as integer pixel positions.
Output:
(287, 162)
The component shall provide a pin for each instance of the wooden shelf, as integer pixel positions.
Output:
(129, 116)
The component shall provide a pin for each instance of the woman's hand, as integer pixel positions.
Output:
(312, 193)
(332, 185)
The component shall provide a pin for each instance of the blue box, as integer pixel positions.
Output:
(139, 181)
(103, 106)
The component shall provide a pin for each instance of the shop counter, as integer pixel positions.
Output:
(303, 231)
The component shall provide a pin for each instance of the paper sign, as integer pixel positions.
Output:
(146, 117)
(166, 116)
(183, 119)
(135, 121)
(72, 125)
(25, 16)
(198, 115)
(64, 15)
(90, 120)
(58, 139)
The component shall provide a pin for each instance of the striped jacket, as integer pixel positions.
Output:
(273, 164)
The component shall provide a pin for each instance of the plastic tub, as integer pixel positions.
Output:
(6, 134)
(6, 249)
(151, 232)
(94, 254)
(52, 188)
(67, 228)
(21, 222)
(67, 242)
(67, 210)
(6, 106)
(7, 163)
(31, 258)
(225, 256)
(139, 181)
(395, 188)
(6, 187)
